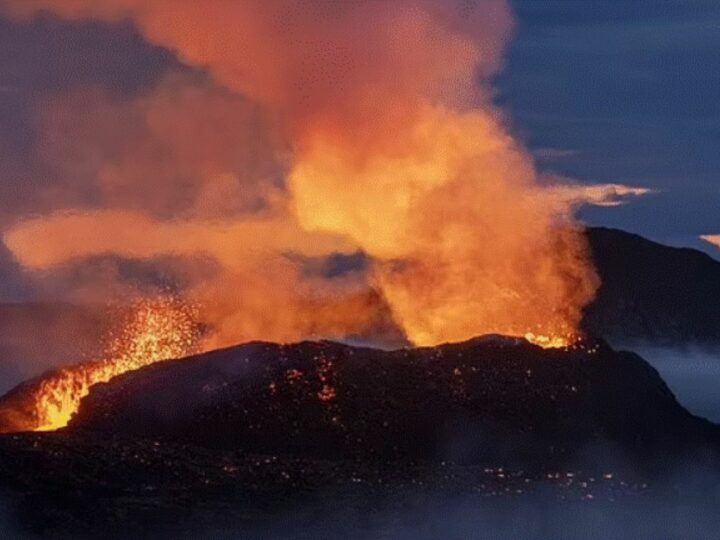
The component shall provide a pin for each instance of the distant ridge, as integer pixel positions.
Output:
(652, 292)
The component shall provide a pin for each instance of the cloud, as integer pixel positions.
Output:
(607, 195)
(713, 239)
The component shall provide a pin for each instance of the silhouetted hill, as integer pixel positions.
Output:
(651, 292)
(480, 401)
(259, 436)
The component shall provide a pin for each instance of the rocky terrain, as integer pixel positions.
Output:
(291, 438)
(471, 402)
(61, 485)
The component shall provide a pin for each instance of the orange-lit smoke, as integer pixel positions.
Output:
(390, 146)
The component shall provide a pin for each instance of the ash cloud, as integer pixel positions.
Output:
(321, 130)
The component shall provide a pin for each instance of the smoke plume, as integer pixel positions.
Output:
(310, 130)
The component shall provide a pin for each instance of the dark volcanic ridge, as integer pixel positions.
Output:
(652, 293)
(260, 435)
(475, 402)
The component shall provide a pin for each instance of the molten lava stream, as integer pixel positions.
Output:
(156, 330)
(550, 342)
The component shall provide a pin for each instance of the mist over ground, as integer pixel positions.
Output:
(540, 516)
(692, 373)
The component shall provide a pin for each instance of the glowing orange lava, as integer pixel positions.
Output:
(550, 342)
(156, 330)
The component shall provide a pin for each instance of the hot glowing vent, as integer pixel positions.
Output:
(155, 330)
(550, 342)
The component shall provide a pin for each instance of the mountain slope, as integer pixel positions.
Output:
(652, 292)
(483, 400)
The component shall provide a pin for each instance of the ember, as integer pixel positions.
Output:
(155, 330)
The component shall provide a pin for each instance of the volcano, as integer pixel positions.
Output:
(246, 432)
(252, 434)
(486, 399)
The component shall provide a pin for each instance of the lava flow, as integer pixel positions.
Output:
(155, 330)
(550, 342)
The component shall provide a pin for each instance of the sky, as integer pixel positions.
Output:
(627, 92)
(600, 91)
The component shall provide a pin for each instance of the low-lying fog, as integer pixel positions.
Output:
(692, 374)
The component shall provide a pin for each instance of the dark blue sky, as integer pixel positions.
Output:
(624, 91)
(602, 91)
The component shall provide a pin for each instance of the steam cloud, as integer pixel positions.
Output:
(321, 128)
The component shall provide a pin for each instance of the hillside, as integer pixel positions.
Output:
(651, 292)
(480, 401)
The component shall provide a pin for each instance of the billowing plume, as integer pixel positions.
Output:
(329, 128)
